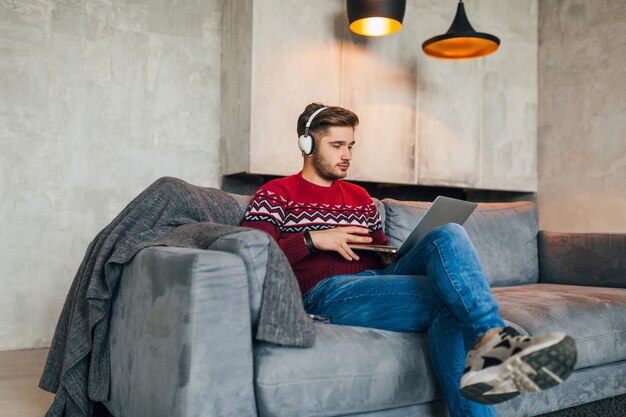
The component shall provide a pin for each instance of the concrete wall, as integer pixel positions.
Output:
(100, 98)
(582, 116)
(423, 121)
(97, 100)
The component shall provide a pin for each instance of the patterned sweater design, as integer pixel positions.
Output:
(287, 207)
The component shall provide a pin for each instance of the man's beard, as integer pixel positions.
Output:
(325, 169)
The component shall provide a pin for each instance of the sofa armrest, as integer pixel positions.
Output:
(592, 259)
(180, 336)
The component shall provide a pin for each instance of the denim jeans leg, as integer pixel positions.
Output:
(397, 303)
(448, 257)
(403, 303)
(439, 286)
(447, 358)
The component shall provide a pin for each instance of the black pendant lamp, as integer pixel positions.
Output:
(375, 17)
(461, 41)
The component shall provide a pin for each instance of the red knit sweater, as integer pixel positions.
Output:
(286, 207)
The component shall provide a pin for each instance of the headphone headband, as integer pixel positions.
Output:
(308, 124)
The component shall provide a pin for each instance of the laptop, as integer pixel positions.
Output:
(443, 210)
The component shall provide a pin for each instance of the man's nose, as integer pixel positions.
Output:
(347, 155)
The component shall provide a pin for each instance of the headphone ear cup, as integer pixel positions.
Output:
(305, 143)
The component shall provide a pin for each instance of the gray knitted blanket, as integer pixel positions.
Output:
(169, 212)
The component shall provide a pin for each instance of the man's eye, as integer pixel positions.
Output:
(350, 147)
(336, 146)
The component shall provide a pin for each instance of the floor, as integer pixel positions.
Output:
(19, 375)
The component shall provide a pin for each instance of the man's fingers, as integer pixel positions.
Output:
(349, 252)
(356, 229)
(341, 251)
(358, 239)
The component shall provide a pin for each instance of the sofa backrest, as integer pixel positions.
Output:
(504, 234)
(242, 200)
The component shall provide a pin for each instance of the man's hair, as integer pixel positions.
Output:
(332, 116)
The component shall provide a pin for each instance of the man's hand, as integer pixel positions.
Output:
(337, 240)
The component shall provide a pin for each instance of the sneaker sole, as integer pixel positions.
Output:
(550, 366)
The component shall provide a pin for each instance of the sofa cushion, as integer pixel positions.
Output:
(596, 259)
(348, 370)
(594, 317)
(354, 370)
(242, 200)
(504, 234)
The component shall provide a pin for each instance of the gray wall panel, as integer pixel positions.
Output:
(98, 99)
(582, 123)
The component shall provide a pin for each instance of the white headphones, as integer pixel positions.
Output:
(306, 143)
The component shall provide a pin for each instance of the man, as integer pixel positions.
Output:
(438, 287)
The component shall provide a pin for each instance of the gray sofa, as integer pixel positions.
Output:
(182, 324)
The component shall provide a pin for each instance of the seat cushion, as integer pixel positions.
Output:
(348, 370)
(354, 370)
(594, 317)
(504, 234)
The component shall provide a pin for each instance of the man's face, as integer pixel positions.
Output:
(333, 152)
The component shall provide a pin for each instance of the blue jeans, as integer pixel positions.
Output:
(438, 287)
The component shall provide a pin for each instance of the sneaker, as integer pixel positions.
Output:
(509, 364)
